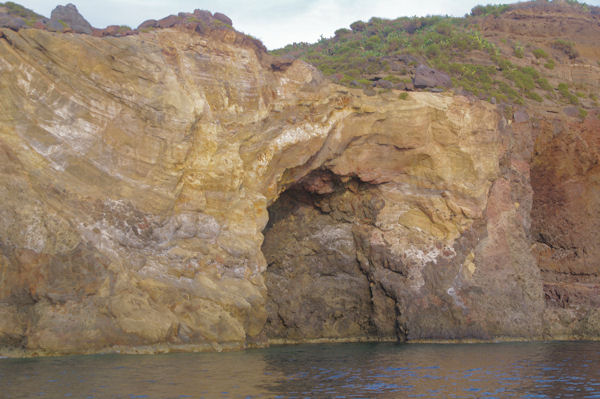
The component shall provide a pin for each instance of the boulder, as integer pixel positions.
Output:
(407, 59)
(168, 22)
(64, 18)
(223, 18)
(384, 84)
(426, 77)
(281, 63)
(203, 15)
(114, 30)
(149, 23)
(11, 22)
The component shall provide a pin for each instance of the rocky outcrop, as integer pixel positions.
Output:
(223, 18)
(67, 17)
(179, 189)
(12, 22)
(426, 77)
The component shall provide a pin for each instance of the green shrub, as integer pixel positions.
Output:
(369, 48)
(393, 79)
(19, 10)
(490, 9)
(358, 26)
(543, 83)
(566, 47)
(533, 95)
(539, 53)
(403, 96)
(521, 79)
(582, 113)
(342, 32)
(563, 89)
(519, 51)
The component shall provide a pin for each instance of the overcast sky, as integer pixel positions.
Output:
(275, 22)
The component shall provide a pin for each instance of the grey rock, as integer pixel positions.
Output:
(67, 17)
(369, 92)
(407, 58)
(384, 84)
(520, 116)
(571, 111)
(11, 22)
(426, 77)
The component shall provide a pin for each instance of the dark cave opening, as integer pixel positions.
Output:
(318, 289)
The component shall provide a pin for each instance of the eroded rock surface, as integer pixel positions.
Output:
(566, 204)
(138, 173)
(68, 18)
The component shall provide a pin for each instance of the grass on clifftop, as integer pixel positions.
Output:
(389, 50)
(19, 10)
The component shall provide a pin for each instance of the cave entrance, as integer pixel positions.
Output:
(317, 289)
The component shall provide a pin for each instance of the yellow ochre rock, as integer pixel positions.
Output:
(136, 176)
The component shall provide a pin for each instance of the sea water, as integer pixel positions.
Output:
(520, 370)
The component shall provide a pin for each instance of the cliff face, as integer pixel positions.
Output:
(140, 174)
(565, 213)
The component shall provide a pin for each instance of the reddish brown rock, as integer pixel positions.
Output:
(168, 22)
(566, 202)
(203, 15)
(149, 23)
(114, 30)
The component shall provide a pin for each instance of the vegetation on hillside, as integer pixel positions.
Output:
(19, 10)
(29, 16)
(389, 50)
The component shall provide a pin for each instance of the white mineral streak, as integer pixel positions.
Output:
(336, 238)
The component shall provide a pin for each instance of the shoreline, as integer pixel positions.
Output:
(162, 349)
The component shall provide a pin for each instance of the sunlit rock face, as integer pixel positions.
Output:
(178, 191)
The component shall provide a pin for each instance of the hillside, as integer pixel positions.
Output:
(513, 54)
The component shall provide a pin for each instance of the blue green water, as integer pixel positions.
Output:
(521, 370)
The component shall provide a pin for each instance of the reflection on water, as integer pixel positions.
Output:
(533, 370)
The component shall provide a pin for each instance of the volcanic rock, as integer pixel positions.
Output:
(68, 18)
(223, 18)
(426, 77)
(11, 22)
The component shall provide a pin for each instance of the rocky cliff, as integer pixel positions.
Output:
(179, 189)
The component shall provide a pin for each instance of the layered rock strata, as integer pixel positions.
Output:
(138, 174)
(566, 204)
